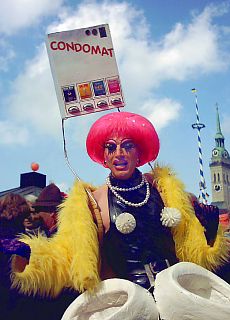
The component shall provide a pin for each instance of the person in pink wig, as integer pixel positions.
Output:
(132, 227)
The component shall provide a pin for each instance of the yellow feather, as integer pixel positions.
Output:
(189, 238)
(70, 258)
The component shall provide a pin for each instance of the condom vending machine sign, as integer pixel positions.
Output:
(84, 70)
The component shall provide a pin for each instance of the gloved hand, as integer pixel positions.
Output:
(18, 263)
(208, 215)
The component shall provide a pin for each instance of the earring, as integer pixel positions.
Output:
(105, 162)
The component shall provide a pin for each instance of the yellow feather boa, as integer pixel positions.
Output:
(189, 238)
(71, 258)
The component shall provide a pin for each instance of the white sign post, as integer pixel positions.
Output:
(84, 70)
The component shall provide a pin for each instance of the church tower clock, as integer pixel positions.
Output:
(220, 170)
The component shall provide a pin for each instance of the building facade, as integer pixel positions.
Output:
(220, 171)
(31, 183)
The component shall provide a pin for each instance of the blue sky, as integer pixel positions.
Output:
(163, 50)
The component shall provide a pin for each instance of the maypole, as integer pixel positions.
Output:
(198, 126)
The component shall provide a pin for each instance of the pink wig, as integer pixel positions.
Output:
(123, 125)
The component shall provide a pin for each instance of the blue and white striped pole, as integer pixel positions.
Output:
(200, 126)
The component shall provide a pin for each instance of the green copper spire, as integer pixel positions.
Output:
(219, 138)
(218, 120)
(219, 153)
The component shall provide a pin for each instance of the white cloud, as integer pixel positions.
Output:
(33, 100)
(124, 20)
(11, 134)
(189, 49)
(15, 14)
(161, 112)
(144, 64)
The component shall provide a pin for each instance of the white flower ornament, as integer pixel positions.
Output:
(170, 217)
(125, 223)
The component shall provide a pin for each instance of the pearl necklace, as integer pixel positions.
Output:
(108, 182)
(128, 203)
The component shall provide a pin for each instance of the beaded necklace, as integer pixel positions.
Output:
(114, 190)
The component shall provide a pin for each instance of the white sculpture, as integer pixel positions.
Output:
(115, 299)
(187, 291)
(184, 291)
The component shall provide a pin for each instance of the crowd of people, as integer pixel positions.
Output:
(132, 227)
(32, 216)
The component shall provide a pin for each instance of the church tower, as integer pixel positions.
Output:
(220, 170)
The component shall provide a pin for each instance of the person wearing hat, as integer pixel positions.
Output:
(43, 217)
(132, 227)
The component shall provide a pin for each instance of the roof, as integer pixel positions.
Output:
(22, 191)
